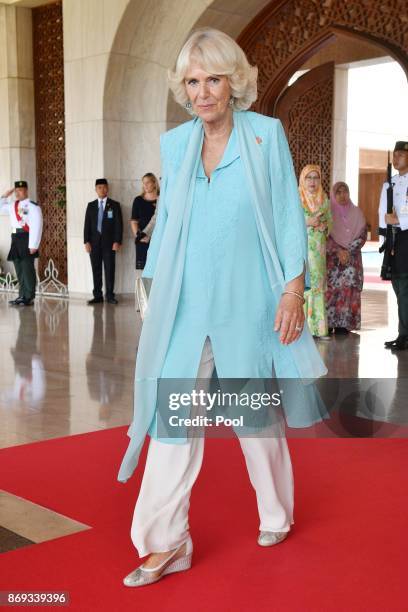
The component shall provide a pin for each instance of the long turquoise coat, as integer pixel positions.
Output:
(225, 290)
(225, 293)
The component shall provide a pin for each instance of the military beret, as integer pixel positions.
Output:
(21, 184)
(101, 181)
(401, 145)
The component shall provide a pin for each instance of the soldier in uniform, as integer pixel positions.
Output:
(103, 230)
(399, 220)
(26, 223)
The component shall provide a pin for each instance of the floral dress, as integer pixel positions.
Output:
(315, 305)
(344, 284)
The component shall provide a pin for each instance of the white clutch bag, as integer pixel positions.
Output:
(142, 294)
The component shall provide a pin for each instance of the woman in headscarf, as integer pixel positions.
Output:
(316, 207)
(344, 262)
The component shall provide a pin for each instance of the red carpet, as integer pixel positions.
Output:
(347, 552)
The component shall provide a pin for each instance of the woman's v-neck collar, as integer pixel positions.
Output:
(231, 153)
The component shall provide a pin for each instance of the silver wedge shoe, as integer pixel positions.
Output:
(142, 576)
(270, 538)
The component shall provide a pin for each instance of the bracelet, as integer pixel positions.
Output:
(299, 295)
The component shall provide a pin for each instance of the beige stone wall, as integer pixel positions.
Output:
(17, 133)
(89, 30)
(116, 59)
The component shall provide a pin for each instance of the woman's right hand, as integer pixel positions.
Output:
(290, 318)
(343, 256)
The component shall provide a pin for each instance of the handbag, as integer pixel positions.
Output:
(143, 286)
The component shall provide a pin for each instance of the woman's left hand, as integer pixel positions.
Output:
(289, 319)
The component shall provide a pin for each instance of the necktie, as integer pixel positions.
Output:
(100, 216)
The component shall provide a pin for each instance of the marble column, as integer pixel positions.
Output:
(339, 145)
(17, 119)
(89, 30)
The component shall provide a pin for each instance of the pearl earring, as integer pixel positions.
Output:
(231, 101)
(188, 106)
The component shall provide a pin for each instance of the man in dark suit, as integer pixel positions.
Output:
(103, 232)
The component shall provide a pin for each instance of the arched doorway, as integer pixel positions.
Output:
(136, 102)
(137, 107)
(286, 34)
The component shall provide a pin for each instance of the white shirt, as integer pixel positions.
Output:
(400, 191)
(30, 214)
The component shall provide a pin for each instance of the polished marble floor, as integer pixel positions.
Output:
(67, 368)
(24, 523)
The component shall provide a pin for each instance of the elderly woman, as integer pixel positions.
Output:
(344, 262)
(316, 208)
(220, 296)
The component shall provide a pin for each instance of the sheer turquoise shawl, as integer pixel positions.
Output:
(283, 239)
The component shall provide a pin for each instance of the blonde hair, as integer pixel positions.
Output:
(216, 53)
(153, 178)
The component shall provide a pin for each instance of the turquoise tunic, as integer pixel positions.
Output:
(225, 293)
(220, 256)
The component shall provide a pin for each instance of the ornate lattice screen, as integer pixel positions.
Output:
(50, 133)
(286, 33)
(306, 111)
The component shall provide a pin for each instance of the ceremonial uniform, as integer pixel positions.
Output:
(399, 264)
(26, 223)
(103, 227)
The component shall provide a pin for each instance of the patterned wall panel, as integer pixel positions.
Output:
(306, 111)
(50, 133)
(287, 32)
(310, 130)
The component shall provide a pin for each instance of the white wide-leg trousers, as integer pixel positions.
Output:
(160, 521)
